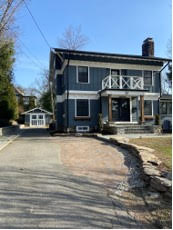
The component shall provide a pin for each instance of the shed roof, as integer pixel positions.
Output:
(37, 108)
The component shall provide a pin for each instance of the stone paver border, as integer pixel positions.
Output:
(154, 178)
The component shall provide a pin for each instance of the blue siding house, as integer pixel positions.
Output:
(124, 89)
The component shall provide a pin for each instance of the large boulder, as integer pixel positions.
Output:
(160, 184)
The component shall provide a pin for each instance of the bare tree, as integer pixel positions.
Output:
(73, 38)
(7, 12)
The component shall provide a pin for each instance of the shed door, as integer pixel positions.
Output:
(37, 120)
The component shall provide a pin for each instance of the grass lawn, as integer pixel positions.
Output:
(162, 147)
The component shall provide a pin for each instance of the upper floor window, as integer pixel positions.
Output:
(82, 108)
(115, 72)
(83, 74)
(148, 80)
(131, 72)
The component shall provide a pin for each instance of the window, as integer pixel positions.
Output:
(131, 72)
(148, 80)
(82, 108)
(83, 74)
(148, 108)
(34, 116)
(163, 107)
(169, 107)
(40, 117)
(115, 72)
(166, 108)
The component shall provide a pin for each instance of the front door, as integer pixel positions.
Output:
(120, 109)
(37, 120)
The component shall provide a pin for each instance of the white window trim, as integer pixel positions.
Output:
(152, 107)
(80, 126)
(76, 107)
(77, 74)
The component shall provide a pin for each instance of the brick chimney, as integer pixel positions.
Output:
(148, 47)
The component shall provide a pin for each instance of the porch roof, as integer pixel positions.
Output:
(125, 92)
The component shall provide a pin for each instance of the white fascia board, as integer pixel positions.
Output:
(129, 93)
(62, 69)
(76, 94)
(114, 65)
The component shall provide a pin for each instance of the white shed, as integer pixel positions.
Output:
(37, 117)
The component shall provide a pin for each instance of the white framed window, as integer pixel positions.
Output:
(83, 74)
(82, 108)
(148, 80)
(148, 107)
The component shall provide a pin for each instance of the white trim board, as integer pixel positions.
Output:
(114, 65)
(75, 94)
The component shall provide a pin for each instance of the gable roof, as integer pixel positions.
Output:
(18, 91)
(109, 57)
(37, 108)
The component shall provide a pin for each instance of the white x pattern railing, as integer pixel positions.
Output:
(123, 82)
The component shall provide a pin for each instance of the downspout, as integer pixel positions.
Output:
(67, 103)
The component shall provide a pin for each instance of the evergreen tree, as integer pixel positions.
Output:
(8, 102)
(31, 104)
(45, 101)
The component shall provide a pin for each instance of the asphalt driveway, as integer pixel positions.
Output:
(45, 185)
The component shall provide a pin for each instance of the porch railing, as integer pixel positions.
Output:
(123, 82)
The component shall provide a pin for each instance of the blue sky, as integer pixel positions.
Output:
(117, 26)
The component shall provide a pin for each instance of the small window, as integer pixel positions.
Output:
(115, 72)
(148, 108)
(40, 117)
(34, 117)
(169, 108)
(83, 74)
(82, 109)
(163, 107)
(148, 78)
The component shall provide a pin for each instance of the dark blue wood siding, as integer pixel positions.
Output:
(96, 76)
(94, 111)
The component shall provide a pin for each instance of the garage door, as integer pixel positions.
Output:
(37, 120)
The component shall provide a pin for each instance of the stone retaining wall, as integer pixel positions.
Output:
(155, 179)
(10, 130)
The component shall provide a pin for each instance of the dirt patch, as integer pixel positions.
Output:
(95, 159)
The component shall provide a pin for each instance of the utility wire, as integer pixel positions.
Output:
(38, 27)
(30, 53)
(29, 58)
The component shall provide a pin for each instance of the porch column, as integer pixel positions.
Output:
(142, 108)
(109, 108)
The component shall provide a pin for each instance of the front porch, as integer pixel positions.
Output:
(123, 113)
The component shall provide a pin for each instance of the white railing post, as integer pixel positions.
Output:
(142, 83)
(121, 82)
(109, 81)
(131, 82)
(102, 84)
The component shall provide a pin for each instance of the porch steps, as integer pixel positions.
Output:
(127, 129)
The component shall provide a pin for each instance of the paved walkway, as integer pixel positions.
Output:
(40, 188)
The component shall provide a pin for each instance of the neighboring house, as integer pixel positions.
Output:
(37, 117)
(124, 89)
(166, 112)
(24, 101)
